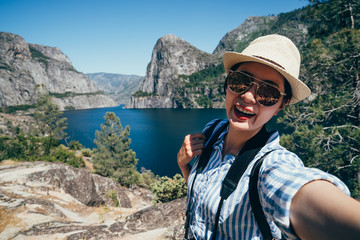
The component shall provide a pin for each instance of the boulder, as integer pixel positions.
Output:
(41, 200)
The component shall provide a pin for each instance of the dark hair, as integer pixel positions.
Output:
(287, 85)
(288, 91)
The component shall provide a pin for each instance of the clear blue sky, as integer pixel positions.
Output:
(117, 36)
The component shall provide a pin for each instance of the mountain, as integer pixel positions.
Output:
(27, 70)
(117, 86)
(242, 32)
(172, 58)
(182, 76)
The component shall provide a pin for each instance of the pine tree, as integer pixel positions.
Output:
(330, 16)
(112, 156)
(49, 118)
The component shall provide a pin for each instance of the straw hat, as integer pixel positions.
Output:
(275, 51)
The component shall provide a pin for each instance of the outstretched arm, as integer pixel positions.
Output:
(321, 211)
(191, 147)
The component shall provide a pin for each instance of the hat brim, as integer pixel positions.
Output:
(299, 89)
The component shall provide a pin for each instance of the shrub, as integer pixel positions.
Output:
(167, 189)
(147, 178)
(113, 196)
(61, 154)
(75, 145)
(86, 152)
(31, 148)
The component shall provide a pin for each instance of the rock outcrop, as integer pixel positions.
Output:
(54, 201)
(171, 58)
(27, 70)
(244, 34)
(241, 33)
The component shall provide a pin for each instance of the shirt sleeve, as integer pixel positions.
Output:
(281, 176)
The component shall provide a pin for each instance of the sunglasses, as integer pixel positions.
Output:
(266, 94)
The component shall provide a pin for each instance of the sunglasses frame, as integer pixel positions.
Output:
(262, 82)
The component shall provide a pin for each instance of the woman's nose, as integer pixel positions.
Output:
(250, 95)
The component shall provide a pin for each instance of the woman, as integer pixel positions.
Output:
(298, 202)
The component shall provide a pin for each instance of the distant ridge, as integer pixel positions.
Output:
(117, 86)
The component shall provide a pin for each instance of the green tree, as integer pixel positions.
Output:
(330, 16)
(49, 118)
(112, 156)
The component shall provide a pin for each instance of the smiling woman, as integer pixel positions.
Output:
(290, 196)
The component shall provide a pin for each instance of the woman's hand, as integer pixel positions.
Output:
(192, 146)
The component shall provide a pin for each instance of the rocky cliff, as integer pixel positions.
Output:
(41, 200)
(251, 25)
(240, 37)
(172, 57)
(27, 70)
(181, 76)
(117, 86)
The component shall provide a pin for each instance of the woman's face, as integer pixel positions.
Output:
(243, 112)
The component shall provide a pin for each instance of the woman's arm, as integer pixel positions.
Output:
(319, 210)
(192, 146)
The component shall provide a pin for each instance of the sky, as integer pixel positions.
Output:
(118, 36)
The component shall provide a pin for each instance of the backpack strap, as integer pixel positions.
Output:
(255, 201)
(204, 159)
(237, 169)
(210, 129)
(205, 156)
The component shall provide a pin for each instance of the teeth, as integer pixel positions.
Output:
(244, 111)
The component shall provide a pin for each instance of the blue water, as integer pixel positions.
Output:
(156, 134)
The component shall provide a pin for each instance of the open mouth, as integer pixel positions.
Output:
(241, 112)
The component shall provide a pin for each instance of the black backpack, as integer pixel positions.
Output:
(237, 169)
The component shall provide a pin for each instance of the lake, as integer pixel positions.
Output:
(156, 134)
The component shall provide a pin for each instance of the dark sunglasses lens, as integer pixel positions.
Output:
(267, 95)
(238, 82)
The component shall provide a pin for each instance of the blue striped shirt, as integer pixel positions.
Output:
(281, 175)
